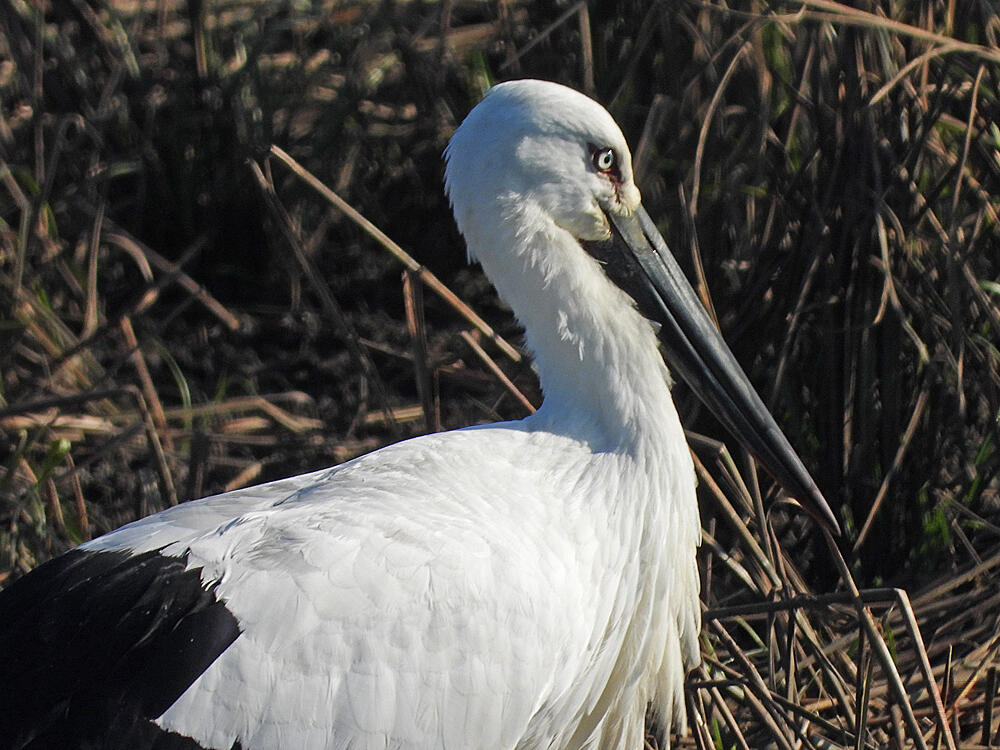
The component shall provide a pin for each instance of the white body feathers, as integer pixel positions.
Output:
(519, 585)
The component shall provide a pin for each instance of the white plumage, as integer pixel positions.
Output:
(528, 584)
(405, 600)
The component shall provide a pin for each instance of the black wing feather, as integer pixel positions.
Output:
(96, 644)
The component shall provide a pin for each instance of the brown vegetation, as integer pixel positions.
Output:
(184, 310)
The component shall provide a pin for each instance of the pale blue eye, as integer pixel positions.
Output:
(605, 160)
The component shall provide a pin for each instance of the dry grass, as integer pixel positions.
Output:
(172, 288)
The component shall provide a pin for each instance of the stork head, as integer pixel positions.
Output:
(535, 154)
(548, 145)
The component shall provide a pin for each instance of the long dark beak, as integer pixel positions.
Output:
(638, 260)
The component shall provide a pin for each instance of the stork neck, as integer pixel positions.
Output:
(597, 358)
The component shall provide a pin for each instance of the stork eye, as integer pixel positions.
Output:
(605, 160)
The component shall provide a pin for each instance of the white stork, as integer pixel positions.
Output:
(521, 585)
